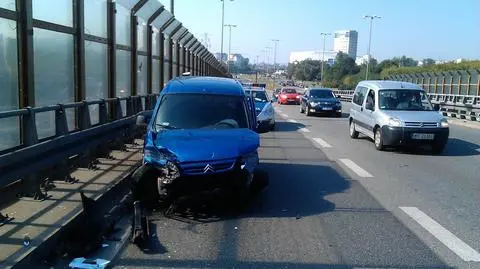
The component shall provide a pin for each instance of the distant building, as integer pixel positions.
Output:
(361, 60)
(298, 56)
(346, 42)
(236, 59)
(222, 58)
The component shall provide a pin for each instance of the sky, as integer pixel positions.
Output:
(438, 29)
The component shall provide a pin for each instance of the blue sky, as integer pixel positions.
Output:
(439, 29)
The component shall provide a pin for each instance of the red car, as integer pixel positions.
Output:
(289, 96)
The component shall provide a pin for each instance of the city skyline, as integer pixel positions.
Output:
(403, 30)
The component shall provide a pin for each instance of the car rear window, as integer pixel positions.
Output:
(289, 91)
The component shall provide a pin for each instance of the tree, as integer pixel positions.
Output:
(343, 65)
(384, 64)
(404, 61)
(428, 62)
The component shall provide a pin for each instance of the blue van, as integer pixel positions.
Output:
(200, 136)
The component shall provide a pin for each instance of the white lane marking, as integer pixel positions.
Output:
(284, 115)
(292, 121)
(322, 142)
(355, 168)
(464, 251)
(305, 130)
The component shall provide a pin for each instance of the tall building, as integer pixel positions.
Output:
(298, 56)
(346, 42)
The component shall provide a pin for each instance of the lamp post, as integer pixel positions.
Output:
(371, 17)
(229, 43)
(323, 55)
(275, 41)
(223, 22)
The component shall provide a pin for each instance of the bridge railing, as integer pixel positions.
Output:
(30, 164)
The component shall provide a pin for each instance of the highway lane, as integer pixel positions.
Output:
(446, 187)
(312, 215)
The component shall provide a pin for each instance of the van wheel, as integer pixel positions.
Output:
(378, 139)
(353, 131)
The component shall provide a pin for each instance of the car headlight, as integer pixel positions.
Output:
(444, 123)
(394, 122)
(313, 103)
(339, 104)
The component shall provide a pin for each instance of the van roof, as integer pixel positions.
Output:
(205, 85)
(389, 84)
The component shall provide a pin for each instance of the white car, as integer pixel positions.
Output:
(263, 107)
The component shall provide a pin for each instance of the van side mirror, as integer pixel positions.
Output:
(436, 107)
(143, 119)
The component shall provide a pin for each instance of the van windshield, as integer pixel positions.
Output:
(410, 100)
(193, 111)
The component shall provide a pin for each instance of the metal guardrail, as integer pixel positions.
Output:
(452, 105)
(37, 161)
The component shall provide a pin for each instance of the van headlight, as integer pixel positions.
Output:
(394, 122)
(444, 123)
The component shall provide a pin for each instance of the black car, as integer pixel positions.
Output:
(320, 101)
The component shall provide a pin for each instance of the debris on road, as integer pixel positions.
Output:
(83, 263)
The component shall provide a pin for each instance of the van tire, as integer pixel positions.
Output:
(378, 139)
(353, 132)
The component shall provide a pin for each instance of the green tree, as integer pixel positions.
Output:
(384, 64)
(404, 61)
(343, 65)
(428, 62)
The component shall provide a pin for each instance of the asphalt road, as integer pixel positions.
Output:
(318, 213)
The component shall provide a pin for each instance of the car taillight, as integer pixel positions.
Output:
(298, 96)
(283, 96)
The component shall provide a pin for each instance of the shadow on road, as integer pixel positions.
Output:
(294, 191)
(286, 126)
(455, 147)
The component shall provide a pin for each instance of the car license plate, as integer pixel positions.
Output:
(423, 136)
(326, 108)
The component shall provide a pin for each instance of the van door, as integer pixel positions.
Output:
(357, 102)
(369, 110)
(360, 114)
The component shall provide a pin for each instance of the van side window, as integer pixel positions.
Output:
(359, 95)
(370, 100)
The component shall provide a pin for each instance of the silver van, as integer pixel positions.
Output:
(395, 113)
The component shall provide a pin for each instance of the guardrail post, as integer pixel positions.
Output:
(130, 110)
(118, 109)
(102, 112)
(61, 126)
(29, 129)
(84, 116)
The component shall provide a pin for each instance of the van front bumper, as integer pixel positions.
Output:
(394, 136)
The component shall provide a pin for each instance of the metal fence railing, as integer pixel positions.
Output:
(34, 160)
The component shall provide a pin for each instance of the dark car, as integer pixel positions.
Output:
(200, 137)
(320, 101)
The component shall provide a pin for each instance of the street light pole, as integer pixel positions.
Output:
(371, 17)
(229, 43)
(323, 55)
(275, 41)
(267, 50)
(223, 22)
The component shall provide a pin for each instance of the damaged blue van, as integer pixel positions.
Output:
(200, 136)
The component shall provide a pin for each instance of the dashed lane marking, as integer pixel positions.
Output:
(292, 121)
(304, 130)
(284, 115)
(355, 168)
(455, 244)
(321, 142)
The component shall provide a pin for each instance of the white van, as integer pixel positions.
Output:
(396, 113)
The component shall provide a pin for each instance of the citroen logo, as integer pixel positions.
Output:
(208, 169)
